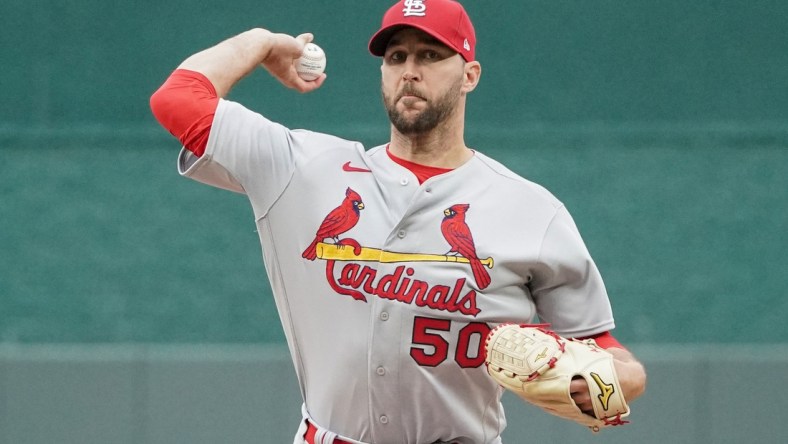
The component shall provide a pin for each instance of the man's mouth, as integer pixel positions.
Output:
(410, 101)
(410, 94)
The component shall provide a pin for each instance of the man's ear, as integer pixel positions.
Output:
(473, 72)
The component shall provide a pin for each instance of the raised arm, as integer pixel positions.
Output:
(231, 60)
(186, 102)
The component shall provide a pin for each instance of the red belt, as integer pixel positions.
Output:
(311, 430)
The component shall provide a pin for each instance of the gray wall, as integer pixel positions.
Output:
(247, 394)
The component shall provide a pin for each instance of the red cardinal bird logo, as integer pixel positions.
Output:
(339, 220)
(459, 237)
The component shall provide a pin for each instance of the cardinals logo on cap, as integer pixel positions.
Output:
(414, 7)
(446, 21)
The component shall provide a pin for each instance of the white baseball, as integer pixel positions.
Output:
(312, 62)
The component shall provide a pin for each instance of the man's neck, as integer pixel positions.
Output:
(443, 147)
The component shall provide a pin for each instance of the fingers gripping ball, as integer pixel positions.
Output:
(312, 62)
(538, 365)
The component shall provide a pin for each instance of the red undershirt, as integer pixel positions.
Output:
(422, 172)
(186, 103)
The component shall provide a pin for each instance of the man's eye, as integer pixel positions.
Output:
(431, 55)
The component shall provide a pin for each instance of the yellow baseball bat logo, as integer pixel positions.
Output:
(345, 253)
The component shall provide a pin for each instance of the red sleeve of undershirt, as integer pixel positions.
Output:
(605, 340)
(185, 105)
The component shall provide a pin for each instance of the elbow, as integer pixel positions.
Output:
(161, 106)
(185, 106)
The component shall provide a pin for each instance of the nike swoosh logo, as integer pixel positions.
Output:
(352, 169)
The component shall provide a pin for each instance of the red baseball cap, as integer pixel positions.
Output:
(446, 20)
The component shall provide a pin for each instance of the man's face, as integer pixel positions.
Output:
(421, 81)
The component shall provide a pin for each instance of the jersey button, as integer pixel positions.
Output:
(380, 371)
(404, 181)
(401, 234)
(384, 419)
(384, 316)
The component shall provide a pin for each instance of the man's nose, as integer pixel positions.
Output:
(411, 71)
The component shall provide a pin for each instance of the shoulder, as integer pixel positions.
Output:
(240, 119)
(507, 179)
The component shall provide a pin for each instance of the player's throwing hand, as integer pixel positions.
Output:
(279, 61)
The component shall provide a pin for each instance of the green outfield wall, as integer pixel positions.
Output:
(663, 126)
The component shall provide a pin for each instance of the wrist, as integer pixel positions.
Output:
(632, 377)
(253, 45)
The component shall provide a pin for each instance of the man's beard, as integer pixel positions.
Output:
(429, 118)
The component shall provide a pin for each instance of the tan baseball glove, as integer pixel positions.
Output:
(538, 366)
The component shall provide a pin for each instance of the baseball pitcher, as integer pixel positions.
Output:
(407, 276)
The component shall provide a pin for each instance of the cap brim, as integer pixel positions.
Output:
(380, 41)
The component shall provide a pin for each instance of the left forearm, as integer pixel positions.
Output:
(631, 373)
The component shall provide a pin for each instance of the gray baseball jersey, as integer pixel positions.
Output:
(386, 288)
